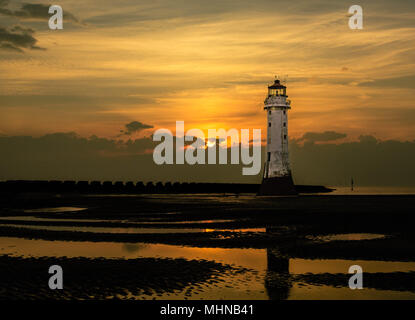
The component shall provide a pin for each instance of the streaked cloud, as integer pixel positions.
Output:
(18, 38)
(134, 127)
(208, 63)
(32, 11)
(322, 136)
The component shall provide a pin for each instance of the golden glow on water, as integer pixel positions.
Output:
(251, 284)
(135, 221)
(256, 259)
(129, 230)
(301, 266)
(347, 236)
(322, 292)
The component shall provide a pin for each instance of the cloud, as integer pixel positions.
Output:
(367, 139)
(9, 46)
(395, 82)
(134, 127)
(70, 156)
(33, 11)
(213, 58)
(322, 136)
(370, 161)
(18, 38)
(3, 3)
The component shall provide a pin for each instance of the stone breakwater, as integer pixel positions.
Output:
(140, 187)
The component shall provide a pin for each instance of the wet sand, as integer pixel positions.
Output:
(286, 228)
(27, 278)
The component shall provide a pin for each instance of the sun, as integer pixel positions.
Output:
(210, 143)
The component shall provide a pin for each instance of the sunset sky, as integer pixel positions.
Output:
(207, 63)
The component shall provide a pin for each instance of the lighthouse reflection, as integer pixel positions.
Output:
(277, 279)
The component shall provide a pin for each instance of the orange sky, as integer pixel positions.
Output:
(208, 63)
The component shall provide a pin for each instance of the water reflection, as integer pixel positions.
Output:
(347, 237)
(130, 221)
(277, 279)
(108, 229)
(132, 247)
(264, 273)
(129, 230)
(55, 210)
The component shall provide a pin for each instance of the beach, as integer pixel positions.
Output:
(207, 246)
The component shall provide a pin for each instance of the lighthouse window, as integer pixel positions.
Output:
(269, 124)
(284, 111)
(269, 112)
(285, 137)
(269, 156)
(285, 124)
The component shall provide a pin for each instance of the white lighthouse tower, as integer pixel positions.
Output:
(277, 179)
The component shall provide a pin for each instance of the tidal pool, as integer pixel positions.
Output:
(55, 210)
(136, 230)
(347, 236)
(264, 273)
(131, 221)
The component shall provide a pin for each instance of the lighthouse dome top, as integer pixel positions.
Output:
(276, 85)
(277, 89)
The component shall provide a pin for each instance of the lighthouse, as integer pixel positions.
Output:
(277, 179)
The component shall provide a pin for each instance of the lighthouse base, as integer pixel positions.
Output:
(277, 186)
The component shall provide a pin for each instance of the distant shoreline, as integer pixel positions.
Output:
(119, 187)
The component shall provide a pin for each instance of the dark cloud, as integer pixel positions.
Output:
(17, 38)
(370, 161)
(9, 46)
(33, 11)
(322, 136)
(69, 156)
(368, 139)
(134, 127)
(396, 82)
